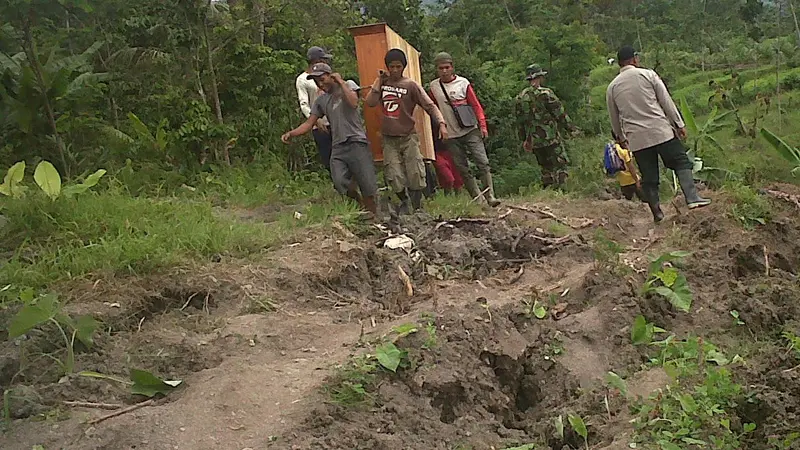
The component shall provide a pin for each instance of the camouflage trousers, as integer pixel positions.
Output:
(554, 162)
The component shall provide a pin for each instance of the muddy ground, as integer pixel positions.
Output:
(259, 344)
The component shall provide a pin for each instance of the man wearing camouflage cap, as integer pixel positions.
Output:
(542, 117)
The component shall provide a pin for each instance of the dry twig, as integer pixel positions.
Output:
(121, 412)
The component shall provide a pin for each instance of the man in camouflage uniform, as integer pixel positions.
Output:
(540, 115)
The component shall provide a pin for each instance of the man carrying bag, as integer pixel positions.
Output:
(466, 124)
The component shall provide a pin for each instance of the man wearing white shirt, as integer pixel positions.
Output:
(307, 93)
(644, 119)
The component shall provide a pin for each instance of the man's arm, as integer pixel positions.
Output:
(425, 102)
(556, 109)
(430, 107)
(613, 115)
(350, 96)
(302, 96)
(374, 96)
(665, 100)
(472, 100)
(304, 128)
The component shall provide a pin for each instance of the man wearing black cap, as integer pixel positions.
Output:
(351, 160)
(398, 95)
(307, 93)
(645, 120)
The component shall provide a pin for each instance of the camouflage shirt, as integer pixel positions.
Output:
(539, 114)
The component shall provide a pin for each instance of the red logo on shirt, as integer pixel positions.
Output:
(391, 97)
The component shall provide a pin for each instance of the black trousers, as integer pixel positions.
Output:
(631, 191)
(324, 143)
(672, 154)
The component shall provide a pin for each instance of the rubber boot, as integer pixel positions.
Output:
(369, 205)
(486, 179)
(650, 196)
(416, 199)
(686, 180)
(472, 186)
(404, 207)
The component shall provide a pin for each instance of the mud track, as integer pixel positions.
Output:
(256, 342)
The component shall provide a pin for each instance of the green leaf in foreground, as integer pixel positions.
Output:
(405, 329)
(47, 177)
(559, 423)
(149, 385)
(617, 382)
(102, 376)
(579, 426)
(388, 356)
(85, 327)
(678, 295)
(641, 332)
(539, 310)
(31, 316)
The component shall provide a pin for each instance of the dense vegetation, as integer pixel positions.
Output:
(189, 99)
(204, 83)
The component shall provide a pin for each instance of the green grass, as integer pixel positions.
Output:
(114, 233)
(453, 206)
(749, 208)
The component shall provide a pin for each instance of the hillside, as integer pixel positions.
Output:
(173, 276)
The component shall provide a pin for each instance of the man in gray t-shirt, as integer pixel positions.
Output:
(351, 159)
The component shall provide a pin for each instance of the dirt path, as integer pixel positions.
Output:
(266, 384)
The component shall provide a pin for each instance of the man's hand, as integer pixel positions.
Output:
(682, 133)
(485, 133)
(527, 146)
(321, 126)
(443, 132)
(286, 137)
(337, 78)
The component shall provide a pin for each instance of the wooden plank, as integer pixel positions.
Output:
(372, 42)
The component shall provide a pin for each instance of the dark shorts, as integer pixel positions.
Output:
(353, 161)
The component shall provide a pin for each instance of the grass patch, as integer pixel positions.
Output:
(352, 383)
(699, 407)
(115, 233)
(748, 207)
(453, 206)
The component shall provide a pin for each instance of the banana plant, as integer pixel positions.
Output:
(789, 153)
(701, 137)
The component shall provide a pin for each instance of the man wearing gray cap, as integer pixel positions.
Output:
(307, 93)
(645, 120)
(351, 160)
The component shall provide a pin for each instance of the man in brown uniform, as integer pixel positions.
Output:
(398, 95)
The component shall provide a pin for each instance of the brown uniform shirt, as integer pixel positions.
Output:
(398, 100)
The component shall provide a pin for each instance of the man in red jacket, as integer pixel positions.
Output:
(466, 125)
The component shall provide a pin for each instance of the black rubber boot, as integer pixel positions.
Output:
(693, 199)
(651, 198)
(416, 199)
(404, 207)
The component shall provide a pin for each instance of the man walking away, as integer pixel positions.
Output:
(307, 93)
(541, 112)
(398, 95)
(466, 125)
(644, 119)
(351, 159)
